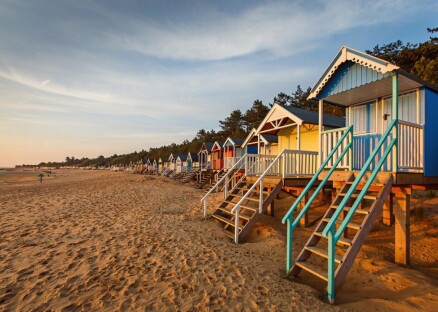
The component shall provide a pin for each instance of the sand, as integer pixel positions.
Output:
(99, 240)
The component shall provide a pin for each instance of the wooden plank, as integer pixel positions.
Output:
(387, 213)
(313, 269)
(359, 238)
(402, 228)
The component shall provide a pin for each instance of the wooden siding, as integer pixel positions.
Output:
(287, 138)
(350, 75)
(430, 134)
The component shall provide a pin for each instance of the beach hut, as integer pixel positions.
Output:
(181, 163)
(217, 156)
(233, 151)
(388, 149)
(287, 144)
(265, 144)
(249, 145)
(155, 165)
(172, 161)
(163, 163)
(204, 155)
(192, 161)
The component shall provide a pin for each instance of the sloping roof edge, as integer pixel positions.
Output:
(349, 54)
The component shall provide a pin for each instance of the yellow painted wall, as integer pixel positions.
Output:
(287, 138)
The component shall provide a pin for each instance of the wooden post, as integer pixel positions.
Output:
(395, 117)
(387, 213)
(304, 221)
(402, 227)
(299, 137)
(320, 123)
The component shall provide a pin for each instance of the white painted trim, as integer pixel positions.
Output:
(349, 54)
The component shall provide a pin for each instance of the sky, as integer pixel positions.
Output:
(89, 78)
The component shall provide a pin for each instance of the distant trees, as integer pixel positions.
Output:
(254, 115)
(299, 98)
(420, 59)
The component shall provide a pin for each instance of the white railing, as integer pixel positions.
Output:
(410, 146)
(287, 163)
(259, 183)
(229, 162)
(229, 176)
(329, 139)
(299, 163)
(257, 165)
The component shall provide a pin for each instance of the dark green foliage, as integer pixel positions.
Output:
(419, 59)
(299, 99)
(254, 116)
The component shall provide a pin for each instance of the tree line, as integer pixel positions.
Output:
(419, 59)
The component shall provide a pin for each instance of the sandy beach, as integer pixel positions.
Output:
(98, 240)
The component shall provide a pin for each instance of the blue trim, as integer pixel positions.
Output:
(348, 76)
(430, 133)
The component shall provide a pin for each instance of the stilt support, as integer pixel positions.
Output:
(402, 226)
(388, 215)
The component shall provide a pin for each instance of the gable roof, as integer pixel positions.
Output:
(207, 146)
(234, 141)
(192, 156)
(311, 117)
(352, 69)
(269, 138)
(349, 54)
(182, 157)
(216, 144)
(249, 137)
(279, 113)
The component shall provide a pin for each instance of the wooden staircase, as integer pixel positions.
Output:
(219, 176)
(190, 176)
(313, 257)
(206, 177)
(249, 210)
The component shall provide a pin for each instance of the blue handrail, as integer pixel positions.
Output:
(330, 230)
(288, 217)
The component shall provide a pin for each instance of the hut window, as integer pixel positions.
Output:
(407, 106)
(364, 118)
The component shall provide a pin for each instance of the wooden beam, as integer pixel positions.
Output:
(430, 187)
(402, 227)
(387, 212)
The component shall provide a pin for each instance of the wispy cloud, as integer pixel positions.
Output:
(89, 78)
(280, 28)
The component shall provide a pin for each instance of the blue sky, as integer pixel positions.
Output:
(85, 78)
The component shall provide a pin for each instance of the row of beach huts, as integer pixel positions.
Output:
(369, 163)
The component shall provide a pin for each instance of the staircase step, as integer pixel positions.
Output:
(313, 269)
(225, 220)
(248, 198)
(322, 252)
(358, 210)
(229, 212)
(241, 206)
(362, 184)
(341, 241)
(350, 225)
(372, 197)
(229, 234)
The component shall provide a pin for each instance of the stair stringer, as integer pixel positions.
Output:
(272, 195)
(314, 239)
(358, 240)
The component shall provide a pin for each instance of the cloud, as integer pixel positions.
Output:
(279, 28)
(45, 82)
